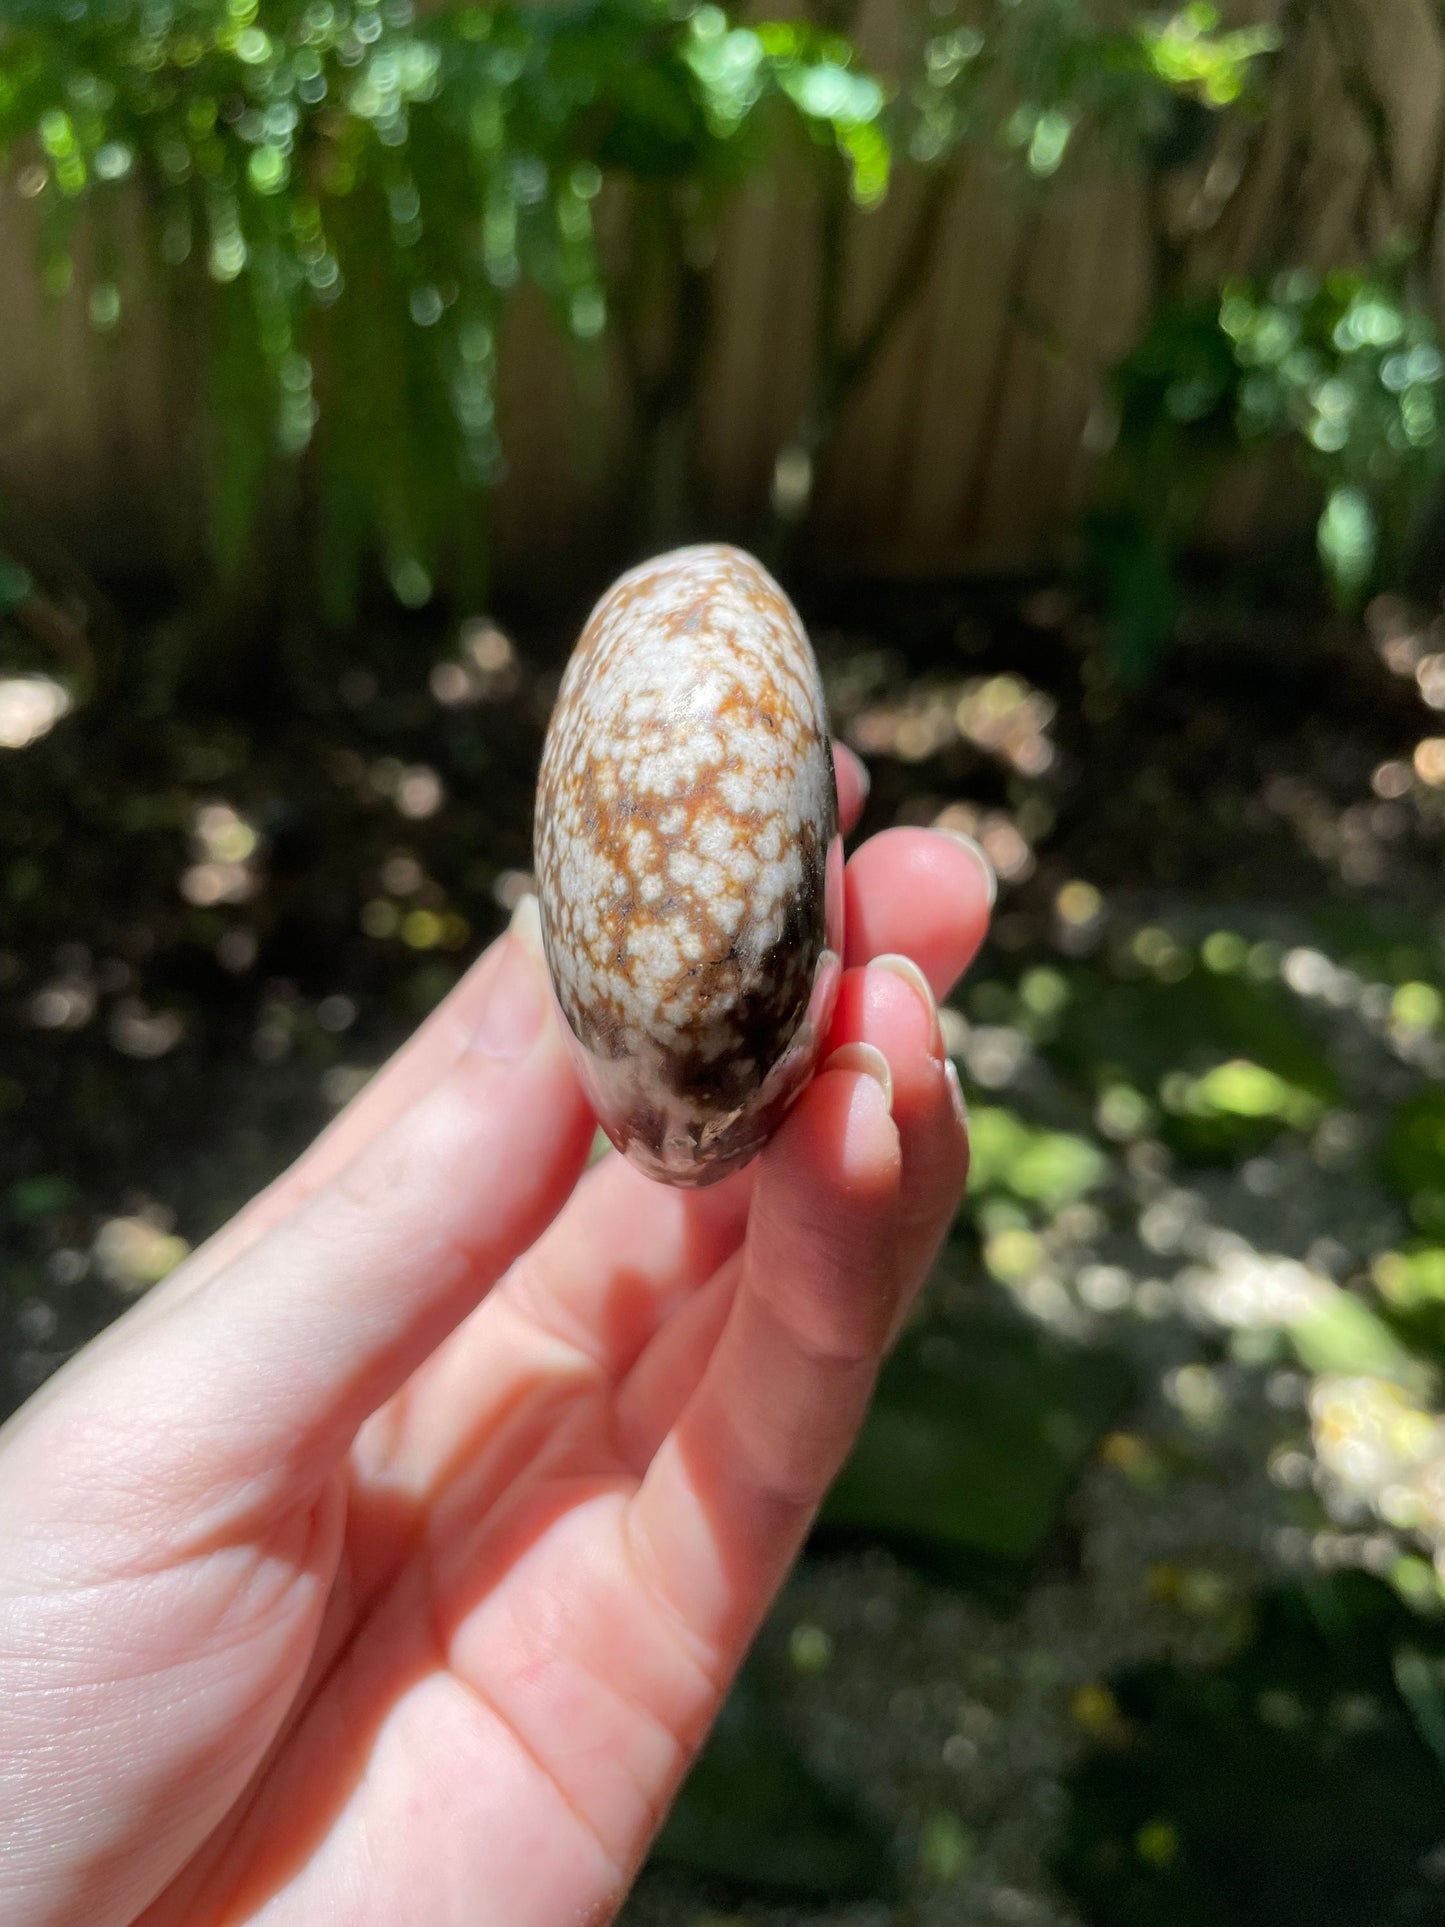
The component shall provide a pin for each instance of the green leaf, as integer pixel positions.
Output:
(753, 1816)
(1140, 590)
(1049, 1168)
(1346, 1336)
(1231, 1060)
(1296, 1785)
(975, 1438)
(1412, 1285)
(1413, 1159)
(41, 1197)
(1349, 541)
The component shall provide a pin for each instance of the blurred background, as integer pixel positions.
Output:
(1078, 366)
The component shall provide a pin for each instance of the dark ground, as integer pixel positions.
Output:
(233, 882)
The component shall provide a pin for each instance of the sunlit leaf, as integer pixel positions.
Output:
(1049, 1168)
(1349, 540)
(1346, 1336)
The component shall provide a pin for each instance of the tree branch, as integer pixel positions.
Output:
(1429, 225)
(905, 285)
(1343, 24)
(1295, 110)
(997, 386)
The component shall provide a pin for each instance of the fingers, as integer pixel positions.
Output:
(853, 783)
(583, 1303)
(924, 893)
(890, 1008)
(620, 1277)
(626, 1257)
(623, 1256)
(265, 1373)
(626, 1253)
(668, 1373)
(726, 1501)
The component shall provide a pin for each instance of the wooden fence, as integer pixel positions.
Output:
(972, 443)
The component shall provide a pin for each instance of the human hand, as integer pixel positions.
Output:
(389, 1563)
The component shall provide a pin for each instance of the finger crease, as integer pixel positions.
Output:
(711, 1669)
(522, 1292)
(615, 1871)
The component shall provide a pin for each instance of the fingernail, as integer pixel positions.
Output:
(955, 1091)
(868, 1059)
(975, 850)
(908, 970)
(516, 1006)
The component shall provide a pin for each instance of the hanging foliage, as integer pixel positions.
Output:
(357, 192)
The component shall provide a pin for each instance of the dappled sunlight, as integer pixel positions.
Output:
(1200, 1231)
(1000, 834)
(30, 707)
(134, 1253)
(1000, 715)
(1133, 1586)
(1165, 1213)
(226, 848)
(1173, 1354)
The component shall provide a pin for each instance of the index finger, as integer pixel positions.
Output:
(924, 894)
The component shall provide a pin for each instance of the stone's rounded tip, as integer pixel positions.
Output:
(686, 823)
(689, 553)
(700, 1144)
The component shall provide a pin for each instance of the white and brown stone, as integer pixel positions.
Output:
(688, 864)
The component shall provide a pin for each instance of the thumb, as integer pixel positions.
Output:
(266, 1370)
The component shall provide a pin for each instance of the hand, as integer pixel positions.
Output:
(389, 1563)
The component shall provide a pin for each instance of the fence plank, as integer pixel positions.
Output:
(964, 449)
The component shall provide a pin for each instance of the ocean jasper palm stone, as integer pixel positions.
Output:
(689, 869)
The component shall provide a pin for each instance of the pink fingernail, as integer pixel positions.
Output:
(955, 1092)
(868, 1059)
(516, 1006)
(976, 851)
(908, 970)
